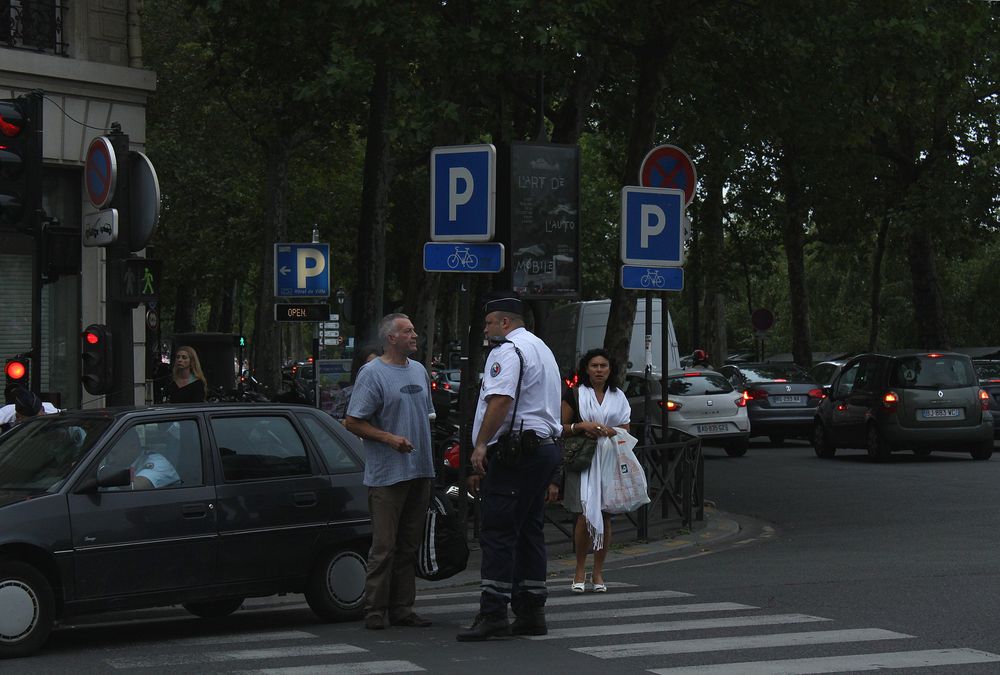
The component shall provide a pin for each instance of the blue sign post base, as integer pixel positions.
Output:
(463, 257)
(644, 278)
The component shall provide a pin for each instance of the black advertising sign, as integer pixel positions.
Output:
(545, 220)
(301, 312)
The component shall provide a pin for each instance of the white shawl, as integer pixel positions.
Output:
(613, 411)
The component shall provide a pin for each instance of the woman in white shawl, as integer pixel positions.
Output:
(593, 408)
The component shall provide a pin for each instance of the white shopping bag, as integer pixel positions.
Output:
(623, 481)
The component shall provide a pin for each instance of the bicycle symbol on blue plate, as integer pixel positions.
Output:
(652, 279)
(463, 258)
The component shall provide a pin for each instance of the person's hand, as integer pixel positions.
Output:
(400, 444)
(472, 482)
(595, 430)
(478, 459)
(552, 494)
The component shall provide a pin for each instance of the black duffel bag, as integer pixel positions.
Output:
(443, 551)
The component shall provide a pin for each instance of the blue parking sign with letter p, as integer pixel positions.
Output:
(652, 226)
(463, 192)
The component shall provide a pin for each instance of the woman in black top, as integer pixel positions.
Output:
(187, 385)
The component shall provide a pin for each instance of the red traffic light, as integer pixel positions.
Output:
(16, 370)
(91, 338)
(11, 119)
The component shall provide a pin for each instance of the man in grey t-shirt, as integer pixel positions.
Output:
(390, 411)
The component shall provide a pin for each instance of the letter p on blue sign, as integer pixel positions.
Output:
(463, 193)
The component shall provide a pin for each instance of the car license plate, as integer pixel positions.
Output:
(712, 428)
(934, 413)
(787, 400)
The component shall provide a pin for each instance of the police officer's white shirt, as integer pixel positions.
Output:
(8, 412)
(155, 468)
(541, 388)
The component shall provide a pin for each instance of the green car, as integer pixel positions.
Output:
(916, 401)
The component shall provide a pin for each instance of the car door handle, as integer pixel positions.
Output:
(304, 498)
(194, 510)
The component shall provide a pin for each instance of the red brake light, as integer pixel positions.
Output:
(933, 356)
(696, 374)
(816, 393)
(984, 399)
(779, 379)
(741, 402)
(670, 405)
(310, 359)
(754, 394)
(446, 386)
(434, 385)
(890, 400)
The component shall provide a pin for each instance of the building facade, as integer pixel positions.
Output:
(85, 57)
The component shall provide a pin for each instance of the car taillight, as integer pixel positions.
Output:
(434, 385)
(816, 393)
(446, 386)
(754, 395)
(984, 399)
(670, 405)
(741, 402)
(889, 400)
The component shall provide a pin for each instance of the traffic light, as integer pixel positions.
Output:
(18, 371)
(97, 364)
(240, 341)
(20, 162)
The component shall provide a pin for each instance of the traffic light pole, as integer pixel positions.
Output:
(119, 314)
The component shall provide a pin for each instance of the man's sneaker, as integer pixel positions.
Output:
(484, 627)
(530, 624)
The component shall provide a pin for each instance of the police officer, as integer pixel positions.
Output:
(515, 455)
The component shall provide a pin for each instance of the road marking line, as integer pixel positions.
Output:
(841, 664)
(555, 586)
(741, 642)
(561, 601)
(649, 611)
(368, 668)
(234, 638)
(159, 661)
(666, 626)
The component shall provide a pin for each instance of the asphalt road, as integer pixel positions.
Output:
(842, 565)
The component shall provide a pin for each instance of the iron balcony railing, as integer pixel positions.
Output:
(38, 25)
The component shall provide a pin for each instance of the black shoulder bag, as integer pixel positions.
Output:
(578, 451)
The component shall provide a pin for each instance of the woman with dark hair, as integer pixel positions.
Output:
(595, 407)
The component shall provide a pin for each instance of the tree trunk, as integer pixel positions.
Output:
(928, 309)
(267, 357)
(711, 257)
(374, 210)
(652, 64)
(876, 291)
(794, 240)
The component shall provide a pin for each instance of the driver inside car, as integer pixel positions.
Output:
(149, 469)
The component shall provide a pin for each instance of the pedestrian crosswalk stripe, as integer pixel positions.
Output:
(561, 601)
(234, 638)
(741, 642)
(610, 614)
(554, 586)
(187, 658)
(366, 668)
(664, 626)
(841, 664)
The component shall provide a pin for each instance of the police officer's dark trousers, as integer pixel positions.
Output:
(511, 535)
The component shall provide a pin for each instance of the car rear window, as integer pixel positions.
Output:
(702, 384)
(775, 372)
(932, 372)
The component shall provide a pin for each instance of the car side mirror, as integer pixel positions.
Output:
(106, 479)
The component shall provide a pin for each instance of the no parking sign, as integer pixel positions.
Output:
(667, 166)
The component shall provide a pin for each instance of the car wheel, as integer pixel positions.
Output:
(983, 452)
(336, 590)
(777, 439)
(738, 448)
(28, 609)
(821, 442)
(921, 452)
(214, 609)
(878, 449)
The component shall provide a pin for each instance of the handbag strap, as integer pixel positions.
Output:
(520, 376)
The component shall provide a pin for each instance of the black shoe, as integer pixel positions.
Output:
(532, 623)
(374, 622)
(484, 627)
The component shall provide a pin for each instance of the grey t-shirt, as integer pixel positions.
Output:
(394, 399)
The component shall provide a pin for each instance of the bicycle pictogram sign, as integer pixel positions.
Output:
(463, 258)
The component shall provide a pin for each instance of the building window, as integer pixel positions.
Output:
(34, 24)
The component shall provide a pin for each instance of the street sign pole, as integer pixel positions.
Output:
(119, 314)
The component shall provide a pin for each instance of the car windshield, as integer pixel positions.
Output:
(933, 372)
(37, 456)
(698, 384)
(775, 372)
(988, 370)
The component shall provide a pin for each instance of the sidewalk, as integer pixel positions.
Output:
(717, 526)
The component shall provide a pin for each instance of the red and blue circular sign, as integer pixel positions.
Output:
(667, 166)
(101, 172)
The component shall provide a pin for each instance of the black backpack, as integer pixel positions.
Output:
(443, 550)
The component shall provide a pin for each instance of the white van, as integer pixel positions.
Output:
(573, 329)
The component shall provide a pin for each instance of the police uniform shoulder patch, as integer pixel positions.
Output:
(149, 465)
(495, 369)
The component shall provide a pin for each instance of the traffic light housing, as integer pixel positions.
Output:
(20, 162)
(95, 347)
(18, 371)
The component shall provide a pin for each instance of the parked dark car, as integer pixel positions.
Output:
(199, 505)
(989, 380)
(781, 398)
(916, 401)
